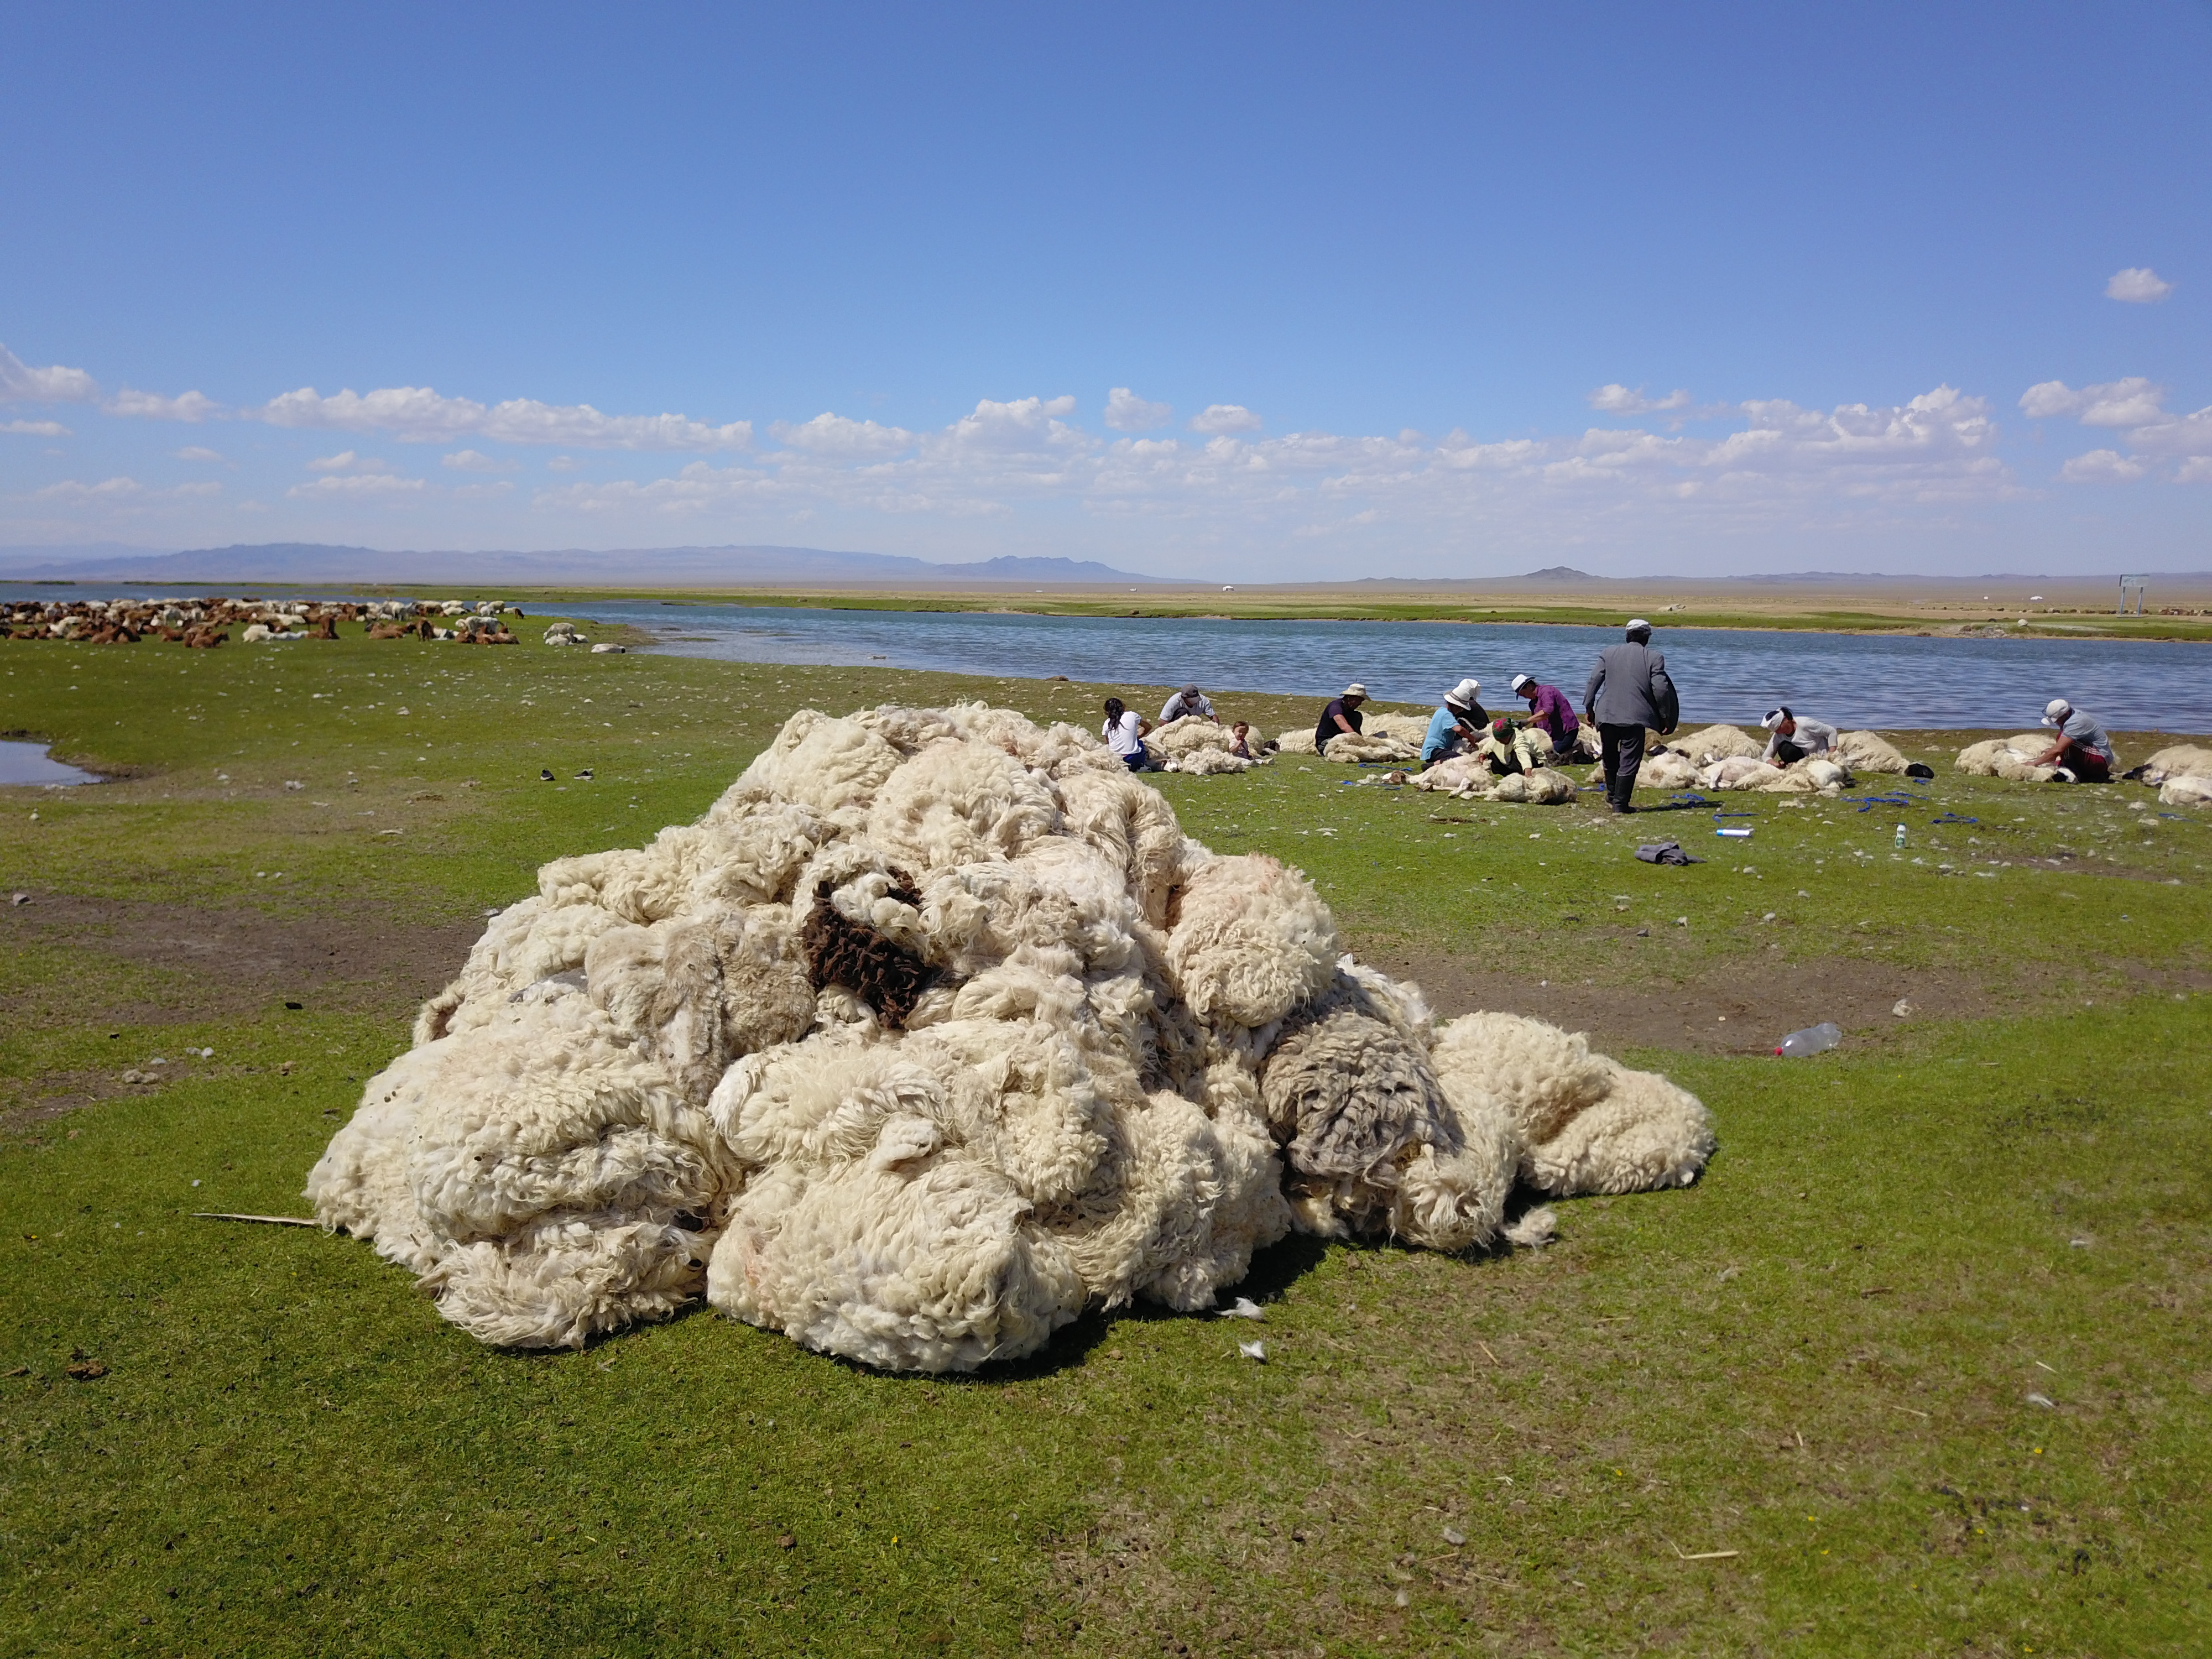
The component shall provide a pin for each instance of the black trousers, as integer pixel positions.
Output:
(1622, 748)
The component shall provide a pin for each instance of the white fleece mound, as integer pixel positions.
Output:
(2013, 759)
(1106, 1065)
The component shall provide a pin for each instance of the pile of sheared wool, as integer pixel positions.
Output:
(2017, 760)
(934, 1031)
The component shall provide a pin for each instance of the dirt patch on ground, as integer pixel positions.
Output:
(1744, 1009)
(233, 960)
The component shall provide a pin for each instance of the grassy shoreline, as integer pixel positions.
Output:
(1821, 1358)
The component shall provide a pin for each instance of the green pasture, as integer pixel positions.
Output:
(1918, 1368)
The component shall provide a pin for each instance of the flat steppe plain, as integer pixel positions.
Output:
(1918, 1367)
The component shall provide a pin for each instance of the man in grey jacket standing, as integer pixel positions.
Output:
(1628, 691)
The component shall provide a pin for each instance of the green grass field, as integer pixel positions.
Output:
(1918, 1368)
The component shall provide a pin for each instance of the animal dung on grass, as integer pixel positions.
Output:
(934, 1031)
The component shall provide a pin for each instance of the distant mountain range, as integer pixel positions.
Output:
(311, 561)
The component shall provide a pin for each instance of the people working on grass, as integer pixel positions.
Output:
(1628, 692)
(1341, 715)
(1795, 737)
(2083, 753)
(1509, 748)
(1125, 735)
(1550, 711)
(1189, 701)
(1456, 725)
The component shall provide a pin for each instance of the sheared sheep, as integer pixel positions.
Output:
(1667, 772)
(2182, 760)
(1718, 743)
(2186, 789)
(934, 1031)
(2017, 760)
(1350, 748)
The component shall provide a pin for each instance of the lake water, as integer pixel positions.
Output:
(1724, 674)
(28, 763)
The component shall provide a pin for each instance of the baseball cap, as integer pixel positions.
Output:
(1190, 690)
(1520, 680)
(1355, 690)
(2056, 711)
(1463, 694)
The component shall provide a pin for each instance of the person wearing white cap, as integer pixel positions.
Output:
(1550, 712)
(1792, 737)
(1628, 693)
(2083, 753)
(1455, 726)
(1340, 715)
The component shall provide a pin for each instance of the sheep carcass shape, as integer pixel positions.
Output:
(934, 1031)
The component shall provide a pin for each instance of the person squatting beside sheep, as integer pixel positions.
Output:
(935, 1030)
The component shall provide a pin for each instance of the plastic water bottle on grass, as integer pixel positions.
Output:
(1900, 834)
(1812, 1040)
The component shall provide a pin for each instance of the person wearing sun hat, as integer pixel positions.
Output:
(1628, 693)
(2083, 753)
(1340, 715)
(1452, 729)
(1550, 712)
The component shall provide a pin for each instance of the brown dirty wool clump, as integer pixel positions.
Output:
(842, 952)
(933, 1032)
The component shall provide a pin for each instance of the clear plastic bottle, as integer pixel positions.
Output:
(1900, 834)
(1812, 1040)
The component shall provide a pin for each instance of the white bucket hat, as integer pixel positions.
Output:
(1463, 694)
(1520, 680)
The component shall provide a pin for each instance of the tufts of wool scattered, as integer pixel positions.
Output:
(1718, 743)
(1869, 751)
(935, 1030)
(2182, 760)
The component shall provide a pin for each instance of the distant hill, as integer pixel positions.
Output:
(316, 563)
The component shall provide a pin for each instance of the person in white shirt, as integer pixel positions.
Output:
(1124, 731)
(1190, 701)
(1795, 737)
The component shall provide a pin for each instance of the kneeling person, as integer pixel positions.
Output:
(2083, 753)
(1795, 737)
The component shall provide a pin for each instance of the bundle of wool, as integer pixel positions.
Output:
(1210, 762)
(2016, 759)
(2182, 760)
(1188, 736)
(934, 1030)
(1869, 751)
(1668, 770)
(1297, 742)
(1719, 743)
(2186, 789)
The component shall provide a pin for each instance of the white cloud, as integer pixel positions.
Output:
(21, 384)
(107, 489)
(347, 461)
(471, 460)
(564, 464)
(837, 435)
(2137, 285)
(2102, 466)
(1225, 417)
(2198, 469)
(36, 428)
(1127, 412)
(194, 453)
(1617, 400)
(477, 492)
(190, 406)
(2131, 402)
(418, 415)
(2175, 434)
(355, 486)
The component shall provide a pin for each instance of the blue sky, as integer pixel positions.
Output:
(1412, 290)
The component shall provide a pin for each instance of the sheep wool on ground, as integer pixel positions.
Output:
(934, 1031)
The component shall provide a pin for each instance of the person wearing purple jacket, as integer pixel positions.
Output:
(1550, 710)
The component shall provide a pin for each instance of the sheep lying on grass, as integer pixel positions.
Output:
(1718, 743)
(2014, 759)
(934, 1031)
(2183, 760)
(1469, 778)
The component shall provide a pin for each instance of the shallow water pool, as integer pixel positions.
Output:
(28, 763)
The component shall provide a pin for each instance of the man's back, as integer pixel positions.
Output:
(1630, 687)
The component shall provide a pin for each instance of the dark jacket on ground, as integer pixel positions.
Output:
(1630, 687)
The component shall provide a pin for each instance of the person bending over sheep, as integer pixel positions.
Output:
(1191, 703)
(1453, 728)
(1124, 731)
(1340, 715)
(2083, 753)
(1794, 737)
(1509, 749)
(1550, 712)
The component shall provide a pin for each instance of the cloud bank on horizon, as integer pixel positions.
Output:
(1754, 464)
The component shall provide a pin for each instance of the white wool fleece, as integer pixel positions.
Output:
(1124, 1064)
